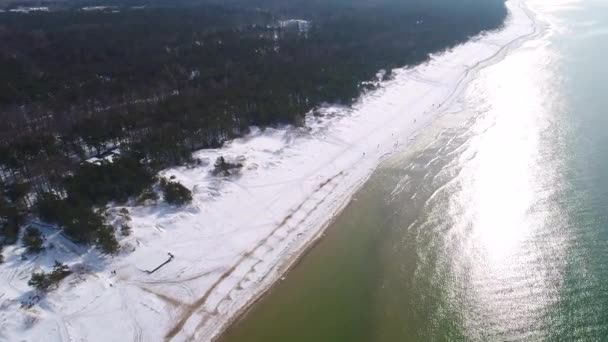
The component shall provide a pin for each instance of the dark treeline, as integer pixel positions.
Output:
(176, 76)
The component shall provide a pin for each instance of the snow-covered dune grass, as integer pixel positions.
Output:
(242, 232)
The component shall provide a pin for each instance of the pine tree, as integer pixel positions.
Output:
(33, 241)
(175, 193)
(106, 240)
(43, 281)
(39, 281)
(59, 272)
(51, 209)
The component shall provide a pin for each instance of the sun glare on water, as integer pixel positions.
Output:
(501, 198)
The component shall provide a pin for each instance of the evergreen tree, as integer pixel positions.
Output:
(17, 193)
(205, 74)
(43, 281)
(33, 240)
(39, 281)
(83, 224)
(60, 271)
(175, 193)
(11, 219)
(106, 240)
(51, 209)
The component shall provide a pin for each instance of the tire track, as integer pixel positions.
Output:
(192, 308)
(461, 83)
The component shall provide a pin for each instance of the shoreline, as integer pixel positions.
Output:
(242, 234)
(283, 267)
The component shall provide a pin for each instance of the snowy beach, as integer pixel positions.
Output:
(241, 233)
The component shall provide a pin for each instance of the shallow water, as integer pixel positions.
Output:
(493, 226)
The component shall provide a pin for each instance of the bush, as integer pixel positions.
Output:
(175, 193)
(33, 241)
(224, 168)
(125, 215)
(125, 230)
(147, 195)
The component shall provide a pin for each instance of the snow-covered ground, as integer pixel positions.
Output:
(29, 9)
(97, 8)
(240, 233)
